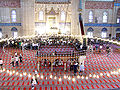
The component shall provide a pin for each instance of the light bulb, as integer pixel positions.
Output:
(42, 76)
(108, 74)
(73, 79)
(82, 77)
(65, 76)
(7, 71)
(94, 75)
(86, 77)
(20, 75)
(16, 73)
(29, 75)
(55, 77)
(10, 72)
(50, 76)
(101, 74)
(90, 75)
(97, 76)
(78, 76)
(3, 69)
(24, 73)
(13, 71)
(69, 78)
(37, 75)
(59, 79)
(119, 70)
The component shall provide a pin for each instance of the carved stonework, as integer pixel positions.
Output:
(51, 12)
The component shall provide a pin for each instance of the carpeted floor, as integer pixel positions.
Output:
(101, 72)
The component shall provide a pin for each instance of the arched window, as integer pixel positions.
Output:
(13, 16)
(90, 16)
(90, 32)
(105, 17)
(118, 16)
(14, 32)
(0, 33)
(104, 33)
(41, 15)
(62, 16)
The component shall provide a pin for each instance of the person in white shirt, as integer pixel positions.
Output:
(15, 53)
(1, 63)
(16, 59)
(81, 69)
(33, 82)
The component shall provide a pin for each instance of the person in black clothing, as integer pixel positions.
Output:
(34, 82)
(75, 68)
(12, 61)
(20, 57)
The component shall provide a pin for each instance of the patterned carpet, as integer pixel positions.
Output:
(101, 72)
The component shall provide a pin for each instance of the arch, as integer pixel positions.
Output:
(105, 17)
(14, 29)
(13, 15)
(41, 15)
(90, 29)
(104, 30)
(90, 16)
(63, 16)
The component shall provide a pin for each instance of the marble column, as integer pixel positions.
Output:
(28, 15)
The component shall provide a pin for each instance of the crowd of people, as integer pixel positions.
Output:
(35, 43)
(76, 65)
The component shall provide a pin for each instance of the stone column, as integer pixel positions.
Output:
(28, 15)
(75, 17)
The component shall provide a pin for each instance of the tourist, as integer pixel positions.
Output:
(107, 50)
(81, 69)
(1, 63)
(16, 59)
(36, 73)
(12, 61)
(75, 68)
(33, 81)
(71, 65)
(100, 48)
(20, 57)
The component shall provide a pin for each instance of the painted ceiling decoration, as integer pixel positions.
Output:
(10, 3)
(98, 5)
(53, 1)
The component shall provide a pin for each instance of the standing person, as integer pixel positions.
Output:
(75, 68)
(71, 65)
(1, 63)
(100, 48)
(16, 59)
(15, 53)
(20, 57)
(12, 61)
(107, 50)
(33, 82)
(81, 69)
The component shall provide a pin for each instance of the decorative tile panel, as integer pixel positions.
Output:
(101, 25)
(53, 1)
(98, 5)
(10, 3)
(10, 24)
